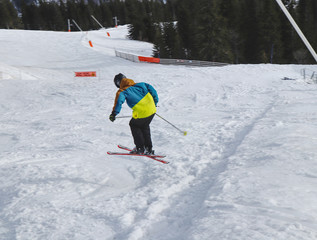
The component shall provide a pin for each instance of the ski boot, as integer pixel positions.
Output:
(137, 151)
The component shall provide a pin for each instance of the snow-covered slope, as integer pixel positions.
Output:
(246, 170)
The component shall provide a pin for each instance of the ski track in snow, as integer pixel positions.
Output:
(246, 169)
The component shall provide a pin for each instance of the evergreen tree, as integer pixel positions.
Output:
(63, 11)
(232, 13)
(51, 16)
(72, 12)
(212, 39)
(169, 10)
(171, 41)
(148, 20)
(287, 33)
(96, 11)
(187, 25)
(270, 45)
(157, 9)
(141, 26)
(159, 46)
(306, 20)
(250, 32)
(31, 16)
(119, 10)
(8, 15)
(4, 15)
(135, 15)
(106, 15)
(84, 15)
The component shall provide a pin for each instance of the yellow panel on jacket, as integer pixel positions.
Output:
(145, 107)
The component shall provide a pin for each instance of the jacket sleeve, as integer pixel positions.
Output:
(119, 100)
(153, 92)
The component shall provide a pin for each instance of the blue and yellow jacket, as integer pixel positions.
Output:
(141, 97)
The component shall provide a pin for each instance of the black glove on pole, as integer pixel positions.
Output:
(112, 117)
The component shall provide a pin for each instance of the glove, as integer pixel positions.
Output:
(112, 117)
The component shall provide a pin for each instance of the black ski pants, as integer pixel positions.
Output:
(140, 129)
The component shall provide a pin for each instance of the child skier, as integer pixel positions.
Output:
(143, 99)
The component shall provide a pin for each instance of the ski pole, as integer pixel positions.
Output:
(184, 132)
(123, 116)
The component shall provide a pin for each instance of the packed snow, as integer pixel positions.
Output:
(246, 170)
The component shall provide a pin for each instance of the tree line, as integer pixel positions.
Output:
(238, 31)
(232, 31)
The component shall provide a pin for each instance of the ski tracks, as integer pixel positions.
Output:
(196, 176)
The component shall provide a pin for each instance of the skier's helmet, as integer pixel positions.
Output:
(117, 79)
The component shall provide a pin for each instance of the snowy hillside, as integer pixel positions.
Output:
(247, 169)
